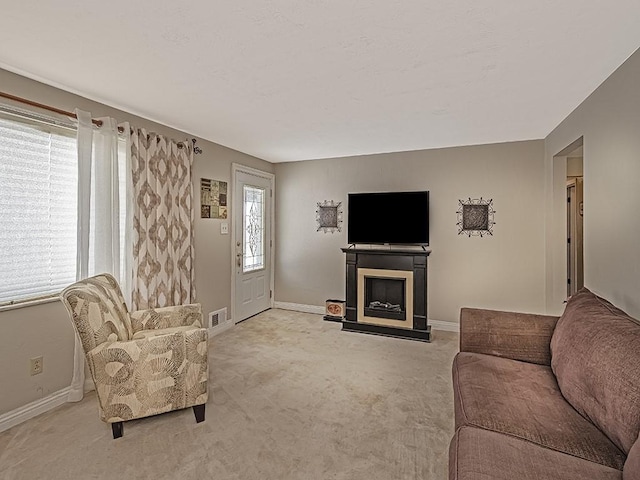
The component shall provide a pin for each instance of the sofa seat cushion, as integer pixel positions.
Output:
(595, 355)
(478, 454)
(161, 331)
(523, 400)
(632, 465)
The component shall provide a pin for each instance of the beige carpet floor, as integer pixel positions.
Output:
(291, 397)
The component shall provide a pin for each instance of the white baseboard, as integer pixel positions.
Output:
(299, 307)
(33, 409)
(444, 326)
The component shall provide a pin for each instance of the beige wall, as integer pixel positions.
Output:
(45, 329)
(609, 122)
(505, 271)
(574, 167)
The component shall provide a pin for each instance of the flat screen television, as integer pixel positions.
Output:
(395, 218)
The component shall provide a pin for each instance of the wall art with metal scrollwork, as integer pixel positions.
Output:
(475, 217)
(329, 216)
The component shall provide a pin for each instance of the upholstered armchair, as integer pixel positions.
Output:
(142, 363)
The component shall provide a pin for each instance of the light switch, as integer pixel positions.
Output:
(224, 228)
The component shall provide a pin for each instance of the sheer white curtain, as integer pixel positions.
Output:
(100, 193)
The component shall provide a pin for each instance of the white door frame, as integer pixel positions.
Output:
(235, 169)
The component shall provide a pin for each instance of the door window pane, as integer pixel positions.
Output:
(253, 228)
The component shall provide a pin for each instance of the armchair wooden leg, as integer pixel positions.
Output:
(198, 411)
(117, 428)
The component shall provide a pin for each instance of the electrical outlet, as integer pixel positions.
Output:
(224, 228)
(36, 365)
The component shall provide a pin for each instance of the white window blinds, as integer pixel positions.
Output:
(38, 209)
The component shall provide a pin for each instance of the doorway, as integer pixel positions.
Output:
(252, 241)
(575, 221)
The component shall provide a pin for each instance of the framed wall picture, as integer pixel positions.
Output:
(213, 198)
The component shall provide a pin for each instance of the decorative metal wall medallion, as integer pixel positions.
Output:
(475, 217)
(329, 216)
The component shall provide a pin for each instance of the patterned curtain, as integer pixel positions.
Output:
(163, 253)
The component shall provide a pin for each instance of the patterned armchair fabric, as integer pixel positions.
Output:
(167, 317)
(144, 363)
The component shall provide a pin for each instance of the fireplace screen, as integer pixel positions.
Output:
(385, 295)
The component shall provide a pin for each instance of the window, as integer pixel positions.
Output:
(38, 204)
(38, 208)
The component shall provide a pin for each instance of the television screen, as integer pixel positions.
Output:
(400, 218)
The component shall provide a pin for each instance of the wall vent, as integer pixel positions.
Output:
(217, 318)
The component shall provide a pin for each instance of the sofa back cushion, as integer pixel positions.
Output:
(98, 311)
(595, 356)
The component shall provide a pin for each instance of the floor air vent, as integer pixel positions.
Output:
(217, 318)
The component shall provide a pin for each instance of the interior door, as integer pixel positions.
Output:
(575, 267)
(252, 204)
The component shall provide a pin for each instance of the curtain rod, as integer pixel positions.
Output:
(97, 123)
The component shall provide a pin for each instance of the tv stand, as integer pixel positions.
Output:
(387, 277)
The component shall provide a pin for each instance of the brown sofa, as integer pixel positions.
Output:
(547, 398)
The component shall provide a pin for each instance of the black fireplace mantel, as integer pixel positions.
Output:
(403, 260)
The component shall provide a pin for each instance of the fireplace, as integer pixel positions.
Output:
(386, 292)
(385, 297)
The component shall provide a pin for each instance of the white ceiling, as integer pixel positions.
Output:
(288, 80)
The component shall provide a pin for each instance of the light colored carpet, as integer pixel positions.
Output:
(291, 397)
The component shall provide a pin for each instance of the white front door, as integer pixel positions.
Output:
(252, 204)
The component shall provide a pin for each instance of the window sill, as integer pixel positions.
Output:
(29, 303)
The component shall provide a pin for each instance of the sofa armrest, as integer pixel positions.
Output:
(167, 317)
(519, 336)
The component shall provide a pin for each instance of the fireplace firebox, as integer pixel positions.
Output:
(385, 297)
(387, 292)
